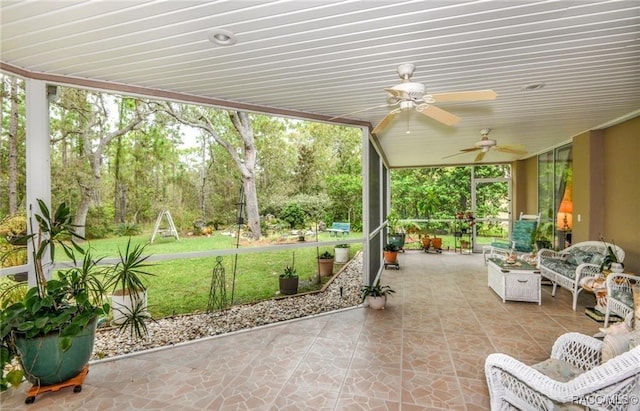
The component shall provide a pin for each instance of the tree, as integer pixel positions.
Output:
(243, 151)
(84, 116)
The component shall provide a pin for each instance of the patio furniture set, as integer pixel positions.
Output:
(582, 372)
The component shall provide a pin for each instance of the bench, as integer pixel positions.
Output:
(339, 229)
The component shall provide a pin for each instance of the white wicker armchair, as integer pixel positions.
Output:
(613, 385)
(619, 295)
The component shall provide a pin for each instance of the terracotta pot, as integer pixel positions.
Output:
(325, 266)
(436, 242)
(390, 257)
(426, 242)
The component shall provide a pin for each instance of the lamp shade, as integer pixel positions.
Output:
(566, 206)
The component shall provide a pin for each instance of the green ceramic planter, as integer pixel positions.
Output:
(44, 363)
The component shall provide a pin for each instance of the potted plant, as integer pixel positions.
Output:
(396, 234)
(610, 262)
(325, 264)
(375, 296)
(288, 281)
(129, 290)
(342, 253)
(390, 253)
(51, 330)
(543, 235)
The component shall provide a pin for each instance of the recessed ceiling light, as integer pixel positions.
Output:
(533, 86)
(222, 37)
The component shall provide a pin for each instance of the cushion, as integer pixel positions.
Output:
(624, 295)
(614, 345)
(560, 266)
(557, 370)
(636, 303)
(578, 256)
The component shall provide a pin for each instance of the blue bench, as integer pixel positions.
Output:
(339, 229)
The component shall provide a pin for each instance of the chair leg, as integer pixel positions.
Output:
(575, 300)
(606, 318)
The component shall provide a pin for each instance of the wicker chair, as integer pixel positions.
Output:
(521, 240)
(613, 385)
(619, 295)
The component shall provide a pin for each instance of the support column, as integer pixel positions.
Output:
(38, 167)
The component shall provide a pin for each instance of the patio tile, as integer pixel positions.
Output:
(426, 351)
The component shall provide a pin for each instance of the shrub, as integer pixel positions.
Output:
(98, 224)
(127, 230)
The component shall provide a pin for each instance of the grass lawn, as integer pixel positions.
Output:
(182, 286)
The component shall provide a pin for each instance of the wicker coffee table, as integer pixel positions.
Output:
(514, 282)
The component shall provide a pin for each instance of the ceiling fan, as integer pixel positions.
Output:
(411, 95)
(485, 144)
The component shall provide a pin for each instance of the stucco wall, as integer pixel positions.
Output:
(606, 188)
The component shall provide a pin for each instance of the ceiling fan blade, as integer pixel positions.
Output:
(385, 121)
(438, 114)
(360, 111)
(480, 156)
(510, 150)
(463, 151)
(477, 95)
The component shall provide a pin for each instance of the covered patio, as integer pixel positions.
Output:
(425, 351)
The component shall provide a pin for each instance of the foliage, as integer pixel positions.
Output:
(66, 304)
(325, 255)
(342, 245)
(375, 290)
(99, 222)
(610, 257)
(130, 272)
(289, 272)
(127, 230)
(294, 215)
(391, 247)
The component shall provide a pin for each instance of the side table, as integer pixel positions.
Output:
(514, 282)
(598, 287)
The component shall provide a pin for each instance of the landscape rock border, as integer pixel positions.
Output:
(343, 291)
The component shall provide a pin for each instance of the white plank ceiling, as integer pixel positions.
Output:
(329, 58)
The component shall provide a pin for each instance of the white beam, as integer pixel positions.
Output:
(38, 157)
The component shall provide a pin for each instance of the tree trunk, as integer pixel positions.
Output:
(253, 214)
(13, 148)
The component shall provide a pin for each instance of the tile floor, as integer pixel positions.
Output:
(426, 351)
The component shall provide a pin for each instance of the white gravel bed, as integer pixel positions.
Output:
(342, 292)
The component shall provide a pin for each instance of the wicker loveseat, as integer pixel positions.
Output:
(565, 268)
(574, 378)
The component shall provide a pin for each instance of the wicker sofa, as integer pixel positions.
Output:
(565, 268)
(574, 377)
(619, 295)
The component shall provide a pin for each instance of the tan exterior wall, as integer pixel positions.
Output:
(525, 182)
(606, 188)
